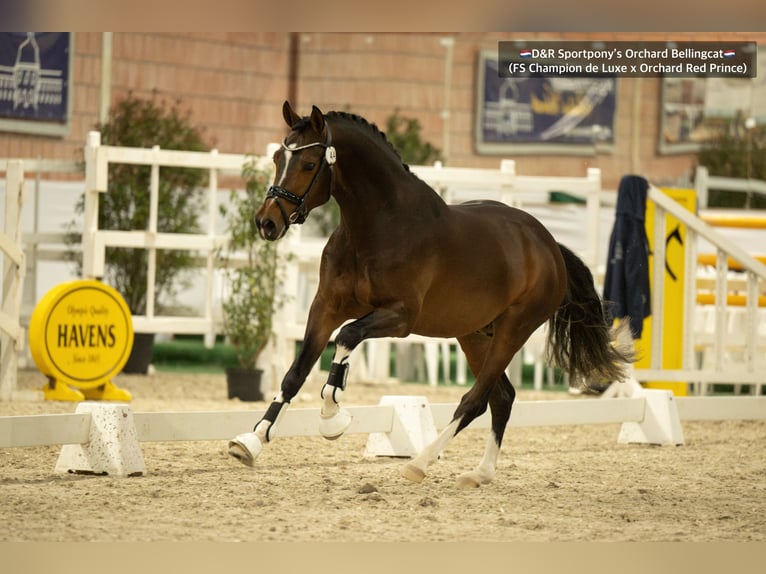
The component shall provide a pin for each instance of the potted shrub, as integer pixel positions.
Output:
(137, 122)
(251, 269)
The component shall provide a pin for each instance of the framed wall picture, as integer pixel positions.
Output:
(697, 110)
(35, 82)
(555, 115)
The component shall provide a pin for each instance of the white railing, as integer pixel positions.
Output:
(461, 184)
(454, 183)
(41, 242)
(755, 272)
(11, 332)
(21, 268)
(95, 240)
(704, 182)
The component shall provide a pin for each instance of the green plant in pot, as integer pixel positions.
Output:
(252, 270)
(140, 122)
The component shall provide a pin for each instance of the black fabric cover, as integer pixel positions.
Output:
(626, 285)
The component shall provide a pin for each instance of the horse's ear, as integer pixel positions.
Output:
(317, 120)
(291, 118)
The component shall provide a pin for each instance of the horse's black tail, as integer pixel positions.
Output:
(580, 339)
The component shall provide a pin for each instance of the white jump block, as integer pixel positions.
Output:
(661, 424)
(112, 448)
(412, 429)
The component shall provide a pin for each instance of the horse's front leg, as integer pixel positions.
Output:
(335, 420)
(247, 446)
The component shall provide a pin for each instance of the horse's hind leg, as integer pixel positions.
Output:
(475, 347)
(488, 358)
(500, 403)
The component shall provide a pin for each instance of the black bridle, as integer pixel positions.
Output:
(277, 193)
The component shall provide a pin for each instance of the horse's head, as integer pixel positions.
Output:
(303, 177)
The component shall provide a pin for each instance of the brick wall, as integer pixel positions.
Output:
(234, 85)
(375, 74)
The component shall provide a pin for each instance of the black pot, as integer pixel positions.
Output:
(244, 384)
(141, 354)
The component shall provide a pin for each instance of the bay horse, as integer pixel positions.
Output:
(402, 261)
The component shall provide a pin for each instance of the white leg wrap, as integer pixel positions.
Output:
(245, 448)
(333, 426)
(333, 420)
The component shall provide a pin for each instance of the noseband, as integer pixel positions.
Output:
(277, 193)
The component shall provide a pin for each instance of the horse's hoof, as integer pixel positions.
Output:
(472, 480)
(245, 448)
(332, 427)
(467, 482)
(413, 473)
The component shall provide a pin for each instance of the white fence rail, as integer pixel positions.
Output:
(105, 438)
(704, 182)
(74, 428)
(95, 240)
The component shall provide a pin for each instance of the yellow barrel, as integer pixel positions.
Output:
(81, 333)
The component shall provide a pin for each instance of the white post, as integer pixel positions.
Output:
(508, 169)
(212, 213)
(154, 199)
(658, 285)
(95, 183)
(701, 182)
(751, 323)
(593, 224)
(721, 272)
(690, 297)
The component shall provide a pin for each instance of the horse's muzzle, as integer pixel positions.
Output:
(267, 229)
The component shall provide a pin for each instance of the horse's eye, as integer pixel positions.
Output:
(308, 166)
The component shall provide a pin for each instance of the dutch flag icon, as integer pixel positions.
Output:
(729, 53)
(525, 53)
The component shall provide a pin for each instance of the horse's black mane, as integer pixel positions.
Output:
(361, 121)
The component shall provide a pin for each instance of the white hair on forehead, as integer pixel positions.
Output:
(288, 156)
